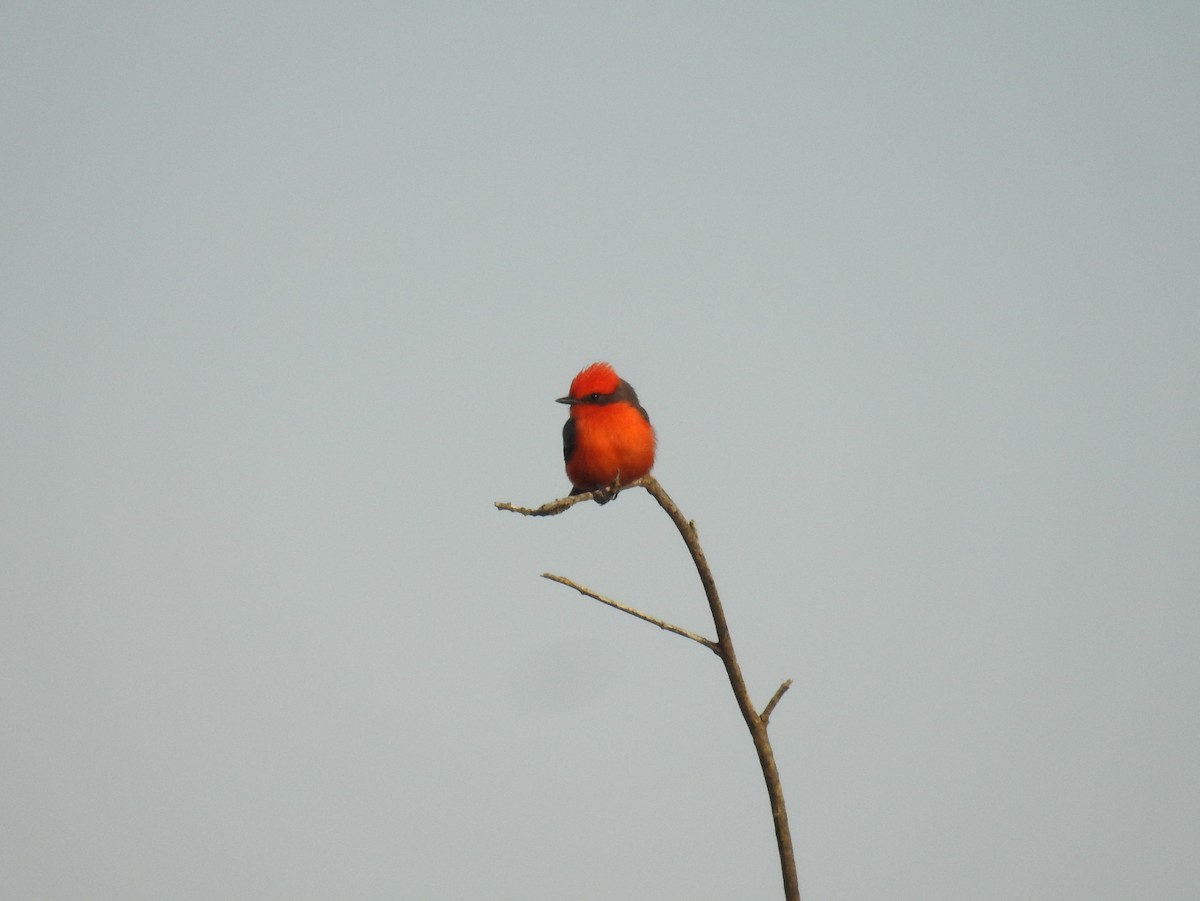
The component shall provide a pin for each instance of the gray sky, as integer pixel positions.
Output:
(910, 293)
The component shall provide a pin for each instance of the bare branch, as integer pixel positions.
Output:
(624, 608)
(723, 647)
(779, 692)
(755, 723)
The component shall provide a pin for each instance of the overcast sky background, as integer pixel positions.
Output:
(910, 293)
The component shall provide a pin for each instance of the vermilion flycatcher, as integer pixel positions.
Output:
(608, 440)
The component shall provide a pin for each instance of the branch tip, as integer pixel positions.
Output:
(779, 693)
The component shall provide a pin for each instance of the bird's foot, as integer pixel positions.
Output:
(609, 491)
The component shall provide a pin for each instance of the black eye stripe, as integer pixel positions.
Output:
(624, 393)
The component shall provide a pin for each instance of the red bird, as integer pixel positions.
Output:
(608, 440)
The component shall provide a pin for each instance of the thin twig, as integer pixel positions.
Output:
(625, 608)
(553, 508)
(779, 692)
(562, 504)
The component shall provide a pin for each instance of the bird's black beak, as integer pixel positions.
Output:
(566, 400)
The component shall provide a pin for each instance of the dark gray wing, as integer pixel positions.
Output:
(568, 439)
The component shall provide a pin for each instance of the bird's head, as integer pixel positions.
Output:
(595, 384)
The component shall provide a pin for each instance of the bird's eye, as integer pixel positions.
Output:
(594, 396)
